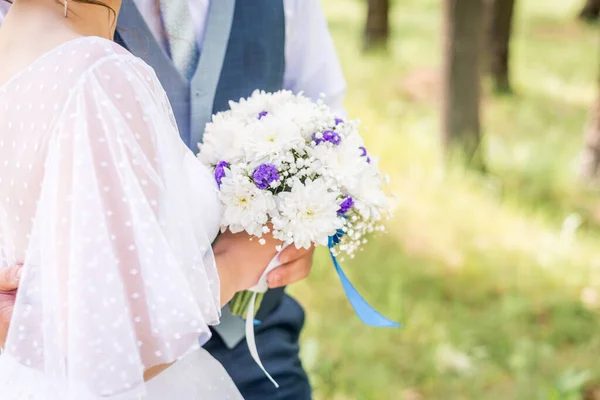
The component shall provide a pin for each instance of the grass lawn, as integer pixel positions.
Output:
(496, 279)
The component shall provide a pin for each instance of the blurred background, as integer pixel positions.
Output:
(485, 114)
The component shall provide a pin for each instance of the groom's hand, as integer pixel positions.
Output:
(296, 265)
(9, 283)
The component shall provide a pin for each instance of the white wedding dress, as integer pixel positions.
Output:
(113, 218)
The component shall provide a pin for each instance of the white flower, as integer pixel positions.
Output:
(222, 141)
(305, 114)
(270, 137)
(342, 162)
(277, 128)
(368, 188)
(245, 207)
(308, 214)
(258, 102)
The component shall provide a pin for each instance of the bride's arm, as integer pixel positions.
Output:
(240, 262)
(120, 276)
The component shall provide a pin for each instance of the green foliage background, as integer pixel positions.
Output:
(496, 279)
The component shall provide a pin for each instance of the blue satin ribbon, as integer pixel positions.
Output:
(365, 312)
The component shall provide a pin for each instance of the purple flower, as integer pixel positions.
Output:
(339, 121)
(346, 205)
(262, 114)
(220, 171)
(327, 136)
(363, 153)
(264, 175)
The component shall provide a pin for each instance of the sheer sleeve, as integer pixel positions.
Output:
(119, 274)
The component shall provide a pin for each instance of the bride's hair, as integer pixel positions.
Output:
(94, 2)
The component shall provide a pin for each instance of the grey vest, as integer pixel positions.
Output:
(243, 50)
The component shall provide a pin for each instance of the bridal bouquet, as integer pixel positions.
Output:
(286, 165)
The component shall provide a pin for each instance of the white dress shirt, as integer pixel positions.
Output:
(311, 62)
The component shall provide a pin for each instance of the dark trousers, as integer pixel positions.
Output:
(277, 343)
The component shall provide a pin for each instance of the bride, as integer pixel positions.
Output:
(112, 216)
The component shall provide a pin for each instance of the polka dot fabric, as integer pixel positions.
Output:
(113, 218)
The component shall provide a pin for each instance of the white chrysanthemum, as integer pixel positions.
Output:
(245, 207)
(222, 140)
(342, 162)
(271, 136)
(308, 214)
(258, 102)
(307, 115)
(368, 187)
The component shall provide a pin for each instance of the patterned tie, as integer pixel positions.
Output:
(180, 31)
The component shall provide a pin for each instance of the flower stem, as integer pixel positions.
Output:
(234, 304)
(241, 301)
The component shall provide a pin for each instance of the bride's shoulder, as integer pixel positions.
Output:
(103, 77)
(105, 61)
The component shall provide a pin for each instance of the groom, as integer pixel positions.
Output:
(206, 53)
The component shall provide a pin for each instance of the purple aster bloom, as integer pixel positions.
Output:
(339, 121)
(264, 175)
(346, 205)
(220, 171)
(262, 114)
(328, 136)
(363, 153)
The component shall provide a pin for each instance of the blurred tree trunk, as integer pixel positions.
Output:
(461, 79)
(499, 27)
(590, 158)
(377, 29)
(590, 10)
